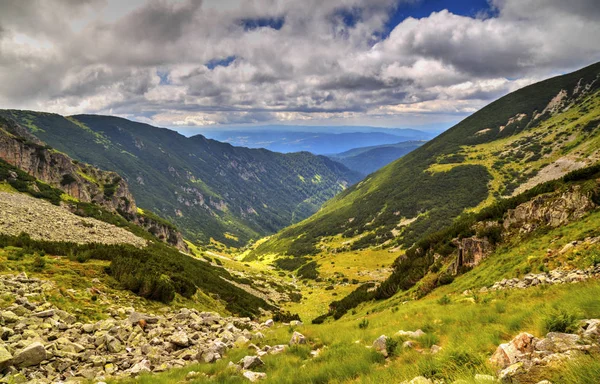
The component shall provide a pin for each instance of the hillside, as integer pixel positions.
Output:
(199, 184)
(367, 160)
(537, 133)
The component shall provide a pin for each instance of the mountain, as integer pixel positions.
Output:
(210, 190)
(535, 134)
(367, 160)
(52, 204)
(45, 173)
(321, 143)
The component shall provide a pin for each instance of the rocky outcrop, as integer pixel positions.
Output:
(42, 344)
(163, 231)
(471, 251)
(557, 276)
(525, 359)
(82, 181)
(546, 210)
(552, 210)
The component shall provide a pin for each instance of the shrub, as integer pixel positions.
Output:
(285, 317)
(391, 346)
(364, 324)
(560, 320)
(444, 300)
(39, 263)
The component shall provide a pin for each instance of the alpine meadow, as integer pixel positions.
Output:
(277, 191)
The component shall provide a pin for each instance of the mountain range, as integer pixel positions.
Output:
(210, 189)
(316, 141)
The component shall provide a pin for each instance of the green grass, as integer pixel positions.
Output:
(468, 332)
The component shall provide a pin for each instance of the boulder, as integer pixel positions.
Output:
(380, 345)
(254, 376)
(513, 351)
(29, 356)
(250, 362)
(5, 358)
(9, 317)
(556, 342)
(44, 314)
(180, 339)
(297, 338)
(269, 323)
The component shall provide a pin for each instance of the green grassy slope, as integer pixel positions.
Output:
(483, 157)
(209, 189)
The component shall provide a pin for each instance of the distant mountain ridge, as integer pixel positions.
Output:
(321, 143)
(367, 160)
(211, 190)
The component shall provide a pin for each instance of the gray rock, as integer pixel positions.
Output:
(254, 376)
(380, 345)
(180, 339)
(5, 358)
(297, 338)
(250, 362)
(29, 356)
(44, 314)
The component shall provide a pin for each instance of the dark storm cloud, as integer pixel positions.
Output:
(256, 61)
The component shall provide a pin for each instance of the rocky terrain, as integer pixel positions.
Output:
(44, 221)
(558, 276)
(42, 344)
(526, 357)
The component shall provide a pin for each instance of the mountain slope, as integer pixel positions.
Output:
(209, 189)
(504, 145)
(369, 159)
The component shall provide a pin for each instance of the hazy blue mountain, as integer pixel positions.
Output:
(320, 143)
(367, 160)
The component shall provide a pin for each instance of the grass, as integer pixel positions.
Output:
(468, 332)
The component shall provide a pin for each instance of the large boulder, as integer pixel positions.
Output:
(513, 351)
(29, 356)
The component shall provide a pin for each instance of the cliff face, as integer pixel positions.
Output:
(161, 231)
(82, 181)
(552, 210)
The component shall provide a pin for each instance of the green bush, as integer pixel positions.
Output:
(444, 300)
(561, 320)
(391, 346)
(39, 263)
(364, 324)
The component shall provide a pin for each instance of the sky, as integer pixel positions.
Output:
(190, 64)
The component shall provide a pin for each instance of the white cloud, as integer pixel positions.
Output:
(100, 56)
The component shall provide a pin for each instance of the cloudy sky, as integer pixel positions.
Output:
(191, 63)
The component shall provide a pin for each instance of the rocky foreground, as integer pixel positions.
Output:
(42, 344)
